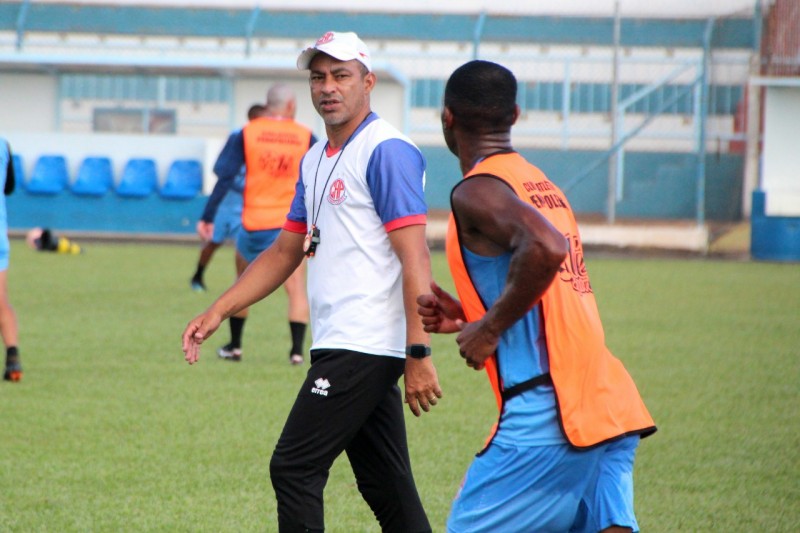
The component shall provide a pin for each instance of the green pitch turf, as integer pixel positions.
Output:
(111, 431)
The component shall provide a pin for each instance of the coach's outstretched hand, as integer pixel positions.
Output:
(198, 330)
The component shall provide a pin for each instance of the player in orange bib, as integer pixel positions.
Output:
(560, 457)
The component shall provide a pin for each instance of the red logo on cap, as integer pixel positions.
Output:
(328, 37)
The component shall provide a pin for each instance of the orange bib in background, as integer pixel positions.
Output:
(273, 149)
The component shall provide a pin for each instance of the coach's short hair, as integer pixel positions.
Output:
(482, 95)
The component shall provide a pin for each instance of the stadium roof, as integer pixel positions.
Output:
(27, 21)
(594, 8)
(269, 22)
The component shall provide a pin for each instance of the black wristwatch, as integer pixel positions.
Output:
(418, 351)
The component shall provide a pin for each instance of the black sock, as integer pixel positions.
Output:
(298, 330)
(12, 355)
(198, 275)
(237, 325)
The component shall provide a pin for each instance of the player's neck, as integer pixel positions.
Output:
(473, 149)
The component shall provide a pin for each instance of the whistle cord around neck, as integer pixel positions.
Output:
(315, 210)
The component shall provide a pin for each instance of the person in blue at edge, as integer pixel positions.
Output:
(8, 318)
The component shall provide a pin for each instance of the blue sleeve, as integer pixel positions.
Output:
(227, 167)
(231, 158)
(396, 179)
(7, 167)
(221, 188)
(297, 210)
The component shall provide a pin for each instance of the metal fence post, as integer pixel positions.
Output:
(701, 149)
(614, 163)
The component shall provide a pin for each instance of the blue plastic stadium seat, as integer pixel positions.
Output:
(19, 170)
(49, 175)
(139, 178)
(95, 177)
(184, 180)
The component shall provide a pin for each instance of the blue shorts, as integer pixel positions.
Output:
(4, 251)
(228, 219)
(547, 488)
(252, 243)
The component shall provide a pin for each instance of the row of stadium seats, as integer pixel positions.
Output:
(95, 177)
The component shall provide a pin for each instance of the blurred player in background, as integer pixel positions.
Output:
(270, 147)
(44, 240)
(227, 221)
(8, 318)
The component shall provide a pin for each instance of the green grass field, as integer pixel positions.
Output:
(111, 431)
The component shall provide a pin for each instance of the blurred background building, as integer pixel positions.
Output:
(641, 110)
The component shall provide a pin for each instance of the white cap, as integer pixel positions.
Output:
(343, 46)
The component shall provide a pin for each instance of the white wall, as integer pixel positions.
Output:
(29, 102)
(780, 172)
(387, 101)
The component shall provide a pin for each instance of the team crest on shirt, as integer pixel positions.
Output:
(573, 269)
(337, 192)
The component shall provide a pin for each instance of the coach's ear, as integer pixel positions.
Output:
(517, 113)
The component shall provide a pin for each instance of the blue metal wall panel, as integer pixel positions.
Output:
(657, 185)
(215, 22)
(109, 213)
(586, 97)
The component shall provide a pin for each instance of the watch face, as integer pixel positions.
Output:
(307, 242)
(418, 351)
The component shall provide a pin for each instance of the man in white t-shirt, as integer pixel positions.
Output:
(359, 216)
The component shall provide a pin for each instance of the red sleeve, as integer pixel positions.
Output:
(294, 226)
(402, 222)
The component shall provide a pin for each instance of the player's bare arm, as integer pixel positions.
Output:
(422, 388)
(260, 279)
(493, 220)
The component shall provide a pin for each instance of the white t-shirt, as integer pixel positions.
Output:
(355, 196)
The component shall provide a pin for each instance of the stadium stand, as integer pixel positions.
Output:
(682, 79)
(95, 177)
(139, 178)
(49, 176)
(184, 180)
